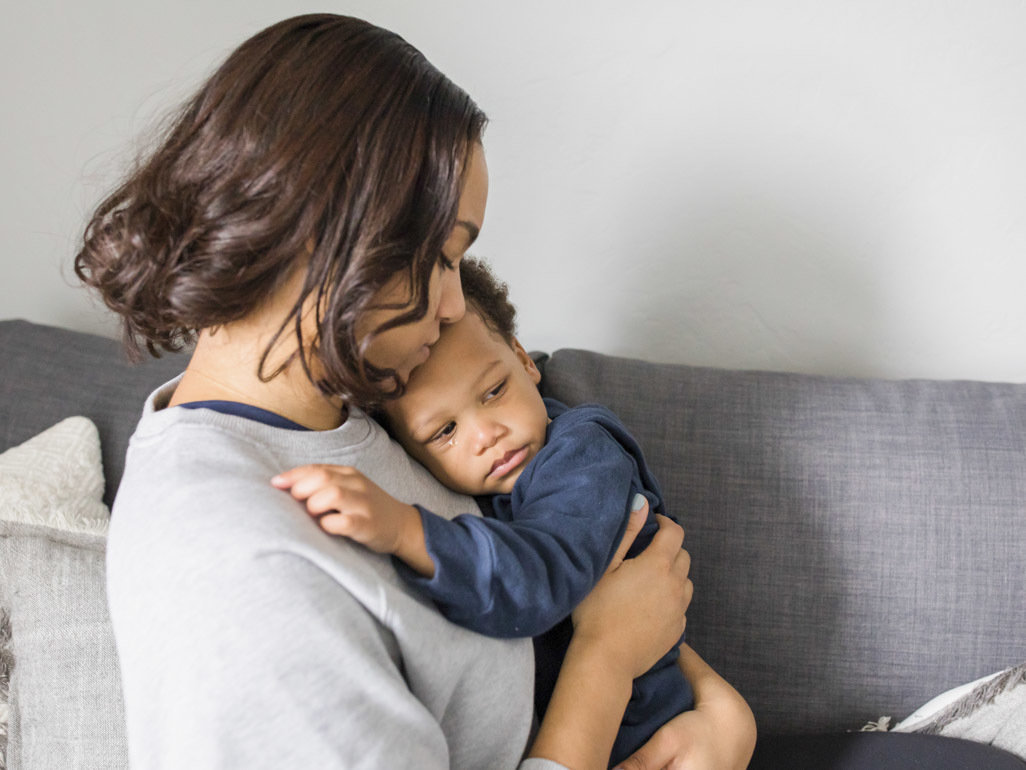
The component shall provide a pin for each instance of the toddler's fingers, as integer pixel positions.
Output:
(336, 523)
(326, 499)
(303, 475)
(292, 476)
(287, 478)
(313, 480)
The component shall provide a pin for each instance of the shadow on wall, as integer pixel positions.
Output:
(755, 277)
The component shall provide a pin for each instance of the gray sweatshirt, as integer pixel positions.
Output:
(249, 638)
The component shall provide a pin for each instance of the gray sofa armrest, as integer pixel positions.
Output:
(857, 544)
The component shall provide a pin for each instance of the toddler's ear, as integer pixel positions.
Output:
(527, 361)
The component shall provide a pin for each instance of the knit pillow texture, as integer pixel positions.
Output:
(991, 710)
(60, 688)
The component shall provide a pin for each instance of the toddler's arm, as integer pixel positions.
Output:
(520, 573)
(490, 576)
(348, 503)
(504, 579)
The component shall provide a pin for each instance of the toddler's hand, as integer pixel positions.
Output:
(345, 502)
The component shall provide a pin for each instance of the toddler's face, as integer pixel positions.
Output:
(472, 413)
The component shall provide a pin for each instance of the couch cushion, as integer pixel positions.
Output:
(857, 544)
(51, 373)
(66, 708)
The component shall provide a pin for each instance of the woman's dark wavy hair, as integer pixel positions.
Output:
(321, 131)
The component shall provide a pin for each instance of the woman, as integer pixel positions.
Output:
(302, 219)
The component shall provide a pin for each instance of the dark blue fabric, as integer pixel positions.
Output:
(878, 751)
(521, 571)
(247, 411)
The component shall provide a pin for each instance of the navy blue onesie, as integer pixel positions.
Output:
(522, 569)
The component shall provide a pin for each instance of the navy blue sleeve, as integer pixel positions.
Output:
(519, 578)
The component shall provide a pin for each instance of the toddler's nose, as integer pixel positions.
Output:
(488, 432)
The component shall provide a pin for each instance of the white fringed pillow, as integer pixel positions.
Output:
(55, 479)
(991, 710)
(64, 707)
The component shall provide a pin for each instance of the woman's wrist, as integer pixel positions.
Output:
(586, 708)
(595, 656)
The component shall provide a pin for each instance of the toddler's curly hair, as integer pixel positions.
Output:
(487, 296)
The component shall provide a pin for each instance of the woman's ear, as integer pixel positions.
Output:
(529, 366)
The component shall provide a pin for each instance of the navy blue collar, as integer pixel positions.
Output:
(249, 412)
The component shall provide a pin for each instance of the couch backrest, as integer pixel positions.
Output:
(47, 374)
(857, 545)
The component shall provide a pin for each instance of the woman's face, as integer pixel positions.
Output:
(405, 347)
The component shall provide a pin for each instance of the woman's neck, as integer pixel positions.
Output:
(224, 367)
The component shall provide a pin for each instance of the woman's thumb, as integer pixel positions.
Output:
(638, 515)
(636, 520)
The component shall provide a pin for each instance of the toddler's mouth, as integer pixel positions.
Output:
(507, 462)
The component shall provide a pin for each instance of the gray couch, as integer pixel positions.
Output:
(857, 544)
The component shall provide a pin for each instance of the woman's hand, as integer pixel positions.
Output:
(636, 520)
(636, 612)
(719, 734)
(632, 616)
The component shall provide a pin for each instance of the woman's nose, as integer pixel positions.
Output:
(451, 305)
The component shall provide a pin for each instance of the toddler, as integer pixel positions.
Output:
(556, 484)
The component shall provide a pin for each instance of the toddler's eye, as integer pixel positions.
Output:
(445, 434)
(496, 391)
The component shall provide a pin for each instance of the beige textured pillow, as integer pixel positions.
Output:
(65, 707)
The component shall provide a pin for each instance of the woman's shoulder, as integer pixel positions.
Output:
(196, 491)
(196, 514)
(196, 488)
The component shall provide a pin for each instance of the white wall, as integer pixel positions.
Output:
(821, 187)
